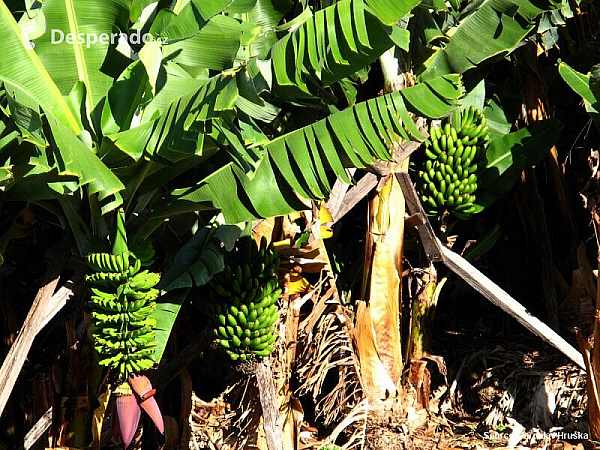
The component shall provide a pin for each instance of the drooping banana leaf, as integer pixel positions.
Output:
(71, 159)
(587, 86)
(297, 163)
(194, 265)
(35, 175)
(29, 83)
(24, 70)
(161, 138)
(338, 41)
(494, 29)
(75, 158)
(508, 155)
(80, 61)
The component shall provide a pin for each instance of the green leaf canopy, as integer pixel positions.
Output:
(494, 29)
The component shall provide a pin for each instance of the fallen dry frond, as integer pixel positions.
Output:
(354, 425)
(326, 363)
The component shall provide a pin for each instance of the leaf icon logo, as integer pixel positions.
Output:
(26, 29)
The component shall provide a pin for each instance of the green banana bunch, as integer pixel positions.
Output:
(122, 298)
(244, 300)
(455, 155)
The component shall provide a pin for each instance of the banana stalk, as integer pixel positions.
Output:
(378, 320)
(423, 315)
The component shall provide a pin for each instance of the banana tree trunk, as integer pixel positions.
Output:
(591, 355)
(379, 317)
(378, 320)
(423, 315)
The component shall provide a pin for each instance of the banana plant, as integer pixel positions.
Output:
(201, 116)
(443, 35)
(162, 114)
(587, 86)
(123, 297)
(106, 126)
(444, 32)
(109, 125)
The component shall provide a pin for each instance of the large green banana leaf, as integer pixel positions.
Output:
(509, 154)
(71, 159)
(587, 86)
(195, 263)
(197, 108)
(162, 136)
(24, 69)
(176, 128)
(75, 158)
(297, 163)
(28, 82)
(68, 63)
(494, 29)
(335, 43)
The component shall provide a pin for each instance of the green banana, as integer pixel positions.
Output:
(231, 320)
(220, 290)
(430, 154)
(121, 300)
(245, 296)
(236, 287)
(144, 280)
(454, 152)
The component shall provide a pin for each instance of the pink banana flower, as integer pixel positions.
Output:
(132, 395)
(145, 396)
